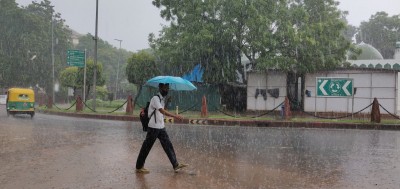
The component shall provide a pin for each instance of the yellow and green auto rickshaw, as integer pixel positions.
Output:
(20, 101)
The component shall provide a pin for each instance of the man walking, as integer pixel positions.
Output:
(157, 130)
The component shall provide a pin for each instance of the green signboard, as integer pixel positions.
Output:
(334, 87)
(76, 58)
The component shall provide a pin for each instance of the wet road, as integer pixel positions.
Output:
(62, 152)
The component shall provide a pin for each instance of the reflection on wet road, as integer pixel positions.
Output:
(62, 152)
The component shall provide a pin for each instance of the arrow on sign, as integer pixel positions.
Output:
(321, 87)
(345, 88)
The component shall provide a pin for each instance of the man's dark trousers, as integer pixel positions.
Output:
(152, 135)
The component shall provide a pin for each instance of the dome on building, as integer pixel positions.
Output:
(368, 52)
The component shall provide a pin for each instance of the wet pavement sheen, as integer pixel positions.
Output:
(63, 152)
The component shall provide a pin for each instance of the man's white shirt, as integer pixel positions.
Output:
(155, 104)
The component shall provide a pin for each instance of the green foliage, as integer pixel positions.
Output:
(350, 32)
(26, 32)
(310, 38)
(109, 56)
(302, 36)
(90, 74)
(382, 32)
(68, 77)
(129, 87)
(73, 77)
(25, 44)
(105, 104)
(102, 92)
(141, 67)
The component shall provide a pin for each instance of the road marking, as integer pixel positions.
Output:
(198, 121)
(168, 120)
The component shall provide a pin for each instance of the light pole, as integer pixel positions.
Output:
(31, 56)
(52, 56)
(119, 59)
(95, 55)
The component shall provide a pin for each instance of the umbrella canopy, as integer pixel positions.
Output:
(175, 83)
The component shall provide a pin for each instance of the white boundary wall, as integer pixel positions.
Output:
(272, 80)
(370, 83)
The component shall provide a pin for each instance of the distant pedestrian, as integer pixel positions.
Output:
(157, 130)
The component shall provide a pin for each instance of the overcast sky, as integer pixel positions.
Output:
(132, 20)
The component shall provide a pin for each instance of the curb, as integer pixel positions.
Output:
(247, 123)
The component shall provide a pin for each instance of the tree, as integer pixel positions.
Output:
(73, 77)
(271, 34)
(141, 67)
(12, 52)
(350, 32)
(45, 22)
(310, 35)
(382, 32)
(190, 40)
(89, 76)
(215, 34)
(109, 56)
(25, 43)
(296, 36)
(68, 78)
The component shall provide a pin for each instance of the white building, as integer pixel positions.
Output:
(372, 77)
(368, 83)
(372, 58)
(258, 85)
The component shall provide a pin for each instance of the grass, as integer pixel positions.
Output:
(218, 115)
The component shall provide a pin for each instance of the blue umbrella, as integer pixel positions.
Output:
(175, 83)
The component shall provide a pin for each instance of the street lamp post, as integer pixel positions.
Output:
(52, 56)
(119, 59)
(95, 55)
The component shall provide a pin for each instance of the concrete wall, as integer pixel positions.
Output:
(271, 80)
(387, 64)
(382, 85)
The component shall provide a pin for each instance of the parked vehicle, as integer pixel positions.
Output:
(20, 101)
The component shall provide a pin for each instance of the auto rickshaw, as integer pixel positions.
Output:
(20, 101)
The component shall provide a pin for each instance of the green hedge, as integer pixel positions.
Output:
(106, 104)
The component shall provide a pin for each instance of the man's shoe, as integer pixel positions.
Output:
(142, 170)
(180, 166)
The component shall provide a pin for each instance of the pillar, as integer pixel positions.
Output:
(286, 112)
(129, 105)
(79, 104)
(375, 113)
(204, 111)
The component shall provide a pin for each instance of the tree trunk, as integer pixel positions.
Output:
(87, 92)
(303, 89)
(293, 90)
